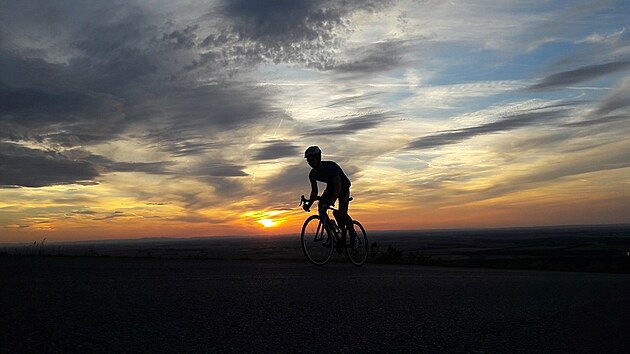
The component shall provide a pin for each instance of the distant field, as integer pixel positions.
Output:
(584, 248)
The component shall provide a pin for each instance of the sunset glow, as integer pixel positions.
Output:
(267, 222)
(143, 119)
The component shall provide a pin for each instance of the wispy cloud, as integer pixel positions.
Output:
(618, 100)
(276, 150)
(586, 73)
(507, 123)
(350, 125)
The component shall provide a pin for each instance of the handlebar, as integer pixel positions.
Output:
(303, 200)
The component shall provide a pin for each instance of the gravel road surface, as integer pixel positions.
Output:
(83, 304)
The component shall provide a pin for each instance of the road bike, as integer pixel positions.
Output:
(321, 236)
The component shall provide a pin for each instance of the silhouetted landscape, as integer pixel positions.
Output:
(566, 248)
(234, 294)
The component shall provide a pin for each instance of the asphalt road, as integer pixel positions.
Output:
(68, 304)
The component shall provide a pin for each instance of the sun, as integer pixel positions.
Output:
(267, 222)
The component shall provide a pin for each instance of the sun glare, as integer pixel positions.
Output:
(267, 222)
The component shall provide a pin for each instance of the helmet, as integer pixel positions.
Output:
(313, 150)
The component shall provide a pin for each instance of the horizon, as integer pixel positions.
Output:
(378, 233)
(127, 119)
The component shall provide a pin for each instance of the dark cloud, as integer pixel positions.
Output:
(350, 125)
(156, 168)
(107, 47)
(288, 184)
(26, 167)
(114, 215)
(374, 58)
(598, 121)
(67, 117)
(508, 123)
(186, 121)
(20, 166)
(619, 99)
(276, 150)
(290, 31)
(287, 20)
(181, 38)
(582, 74)
(84, 212)
(219, 169)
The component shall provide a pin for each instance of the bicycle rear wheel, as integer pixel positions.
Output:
(313, 236)
(358, 256)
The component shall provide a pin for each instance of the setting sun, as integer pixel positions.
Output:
(267, 222)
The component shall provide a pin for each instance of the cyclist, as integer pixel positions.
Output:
(337, 187)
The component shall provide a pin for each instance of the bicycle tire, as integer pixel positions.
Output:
(358, 257)
(313, 235)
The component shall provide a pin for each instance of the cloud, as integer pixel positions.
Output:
(20, 166)
(26, 167)
(374, 58)
(283, 31)
(606, 157)
(619, 99)
(276, 150)
(509, 122)
(220, 170)
(598, 121)
(187, 121)
(287, 185)
(67, 117)
(350, 125)
(106, 165)
(585, 73)
(597, 38)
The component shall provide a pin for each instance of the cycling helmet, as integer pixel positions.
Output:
(313, 150)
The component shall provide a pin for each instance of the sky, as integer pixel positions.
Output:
(154, 118)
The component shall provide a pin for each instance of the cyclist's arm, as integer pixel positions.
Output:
(313, 196)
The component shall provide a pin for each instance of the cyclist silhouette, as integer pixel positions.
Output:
(337, 187)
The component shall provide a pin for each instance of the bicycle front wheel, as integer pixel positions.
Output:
(359, 255)
(314, 234)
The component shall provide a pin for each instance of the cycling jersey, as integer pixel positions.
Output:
(326, 171)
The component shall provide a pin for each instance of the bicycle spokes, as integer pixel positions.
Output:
(358, 254)
(313, 233)
(319, 233)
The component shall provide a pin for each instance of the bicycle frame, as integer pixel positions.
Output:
(326, 222)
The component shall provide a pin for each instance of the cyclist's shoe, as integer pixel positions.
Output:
(328, 242)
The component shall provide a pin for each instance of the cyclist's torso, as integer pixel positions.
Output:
(326, 171)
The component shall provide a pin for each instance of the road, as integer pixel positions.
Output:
(83, 304)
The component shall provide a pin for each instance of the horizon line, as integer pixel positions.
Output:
(182, 238)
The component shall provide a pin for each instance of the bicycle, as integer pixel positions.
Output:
(319, 228)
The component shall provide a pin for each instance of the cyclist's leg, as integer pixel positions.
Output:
(341, 215)
(322, 208)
